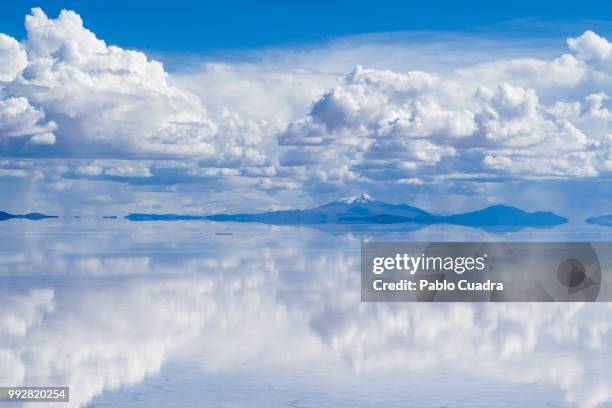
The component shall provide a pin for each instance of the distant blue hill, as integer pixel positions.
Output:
(31, 216)
(364, 210)
(163, 217)
(505, 216)
(605, 220)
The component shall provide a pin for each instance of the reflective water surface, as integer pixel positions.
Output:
(245, 315)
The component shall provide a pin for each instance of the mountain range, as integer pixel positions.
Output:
(365, 210)
(30, 216)
(605, 220)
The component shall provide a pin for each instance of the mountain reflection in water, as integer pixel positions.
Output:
(181, 314)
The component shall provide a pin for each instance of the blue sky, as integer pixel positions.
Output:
(115, 108)
(201, 27)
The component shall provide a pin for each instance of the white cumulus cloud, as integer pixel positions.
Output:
(12, 58)
(292, 120)
(106, 101)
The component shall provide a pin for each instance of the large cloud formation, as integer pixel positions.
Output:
(395, 126)
(79, 97)
(64, 93)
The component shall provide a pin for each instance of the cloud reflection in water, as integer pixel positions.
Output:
(104, 311)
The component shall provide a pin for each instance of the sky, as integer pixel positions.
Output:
(200, 108)
(200, 27)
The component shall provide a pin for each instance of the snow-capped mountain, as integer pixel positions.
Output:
(364, 209)
(360, 199)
